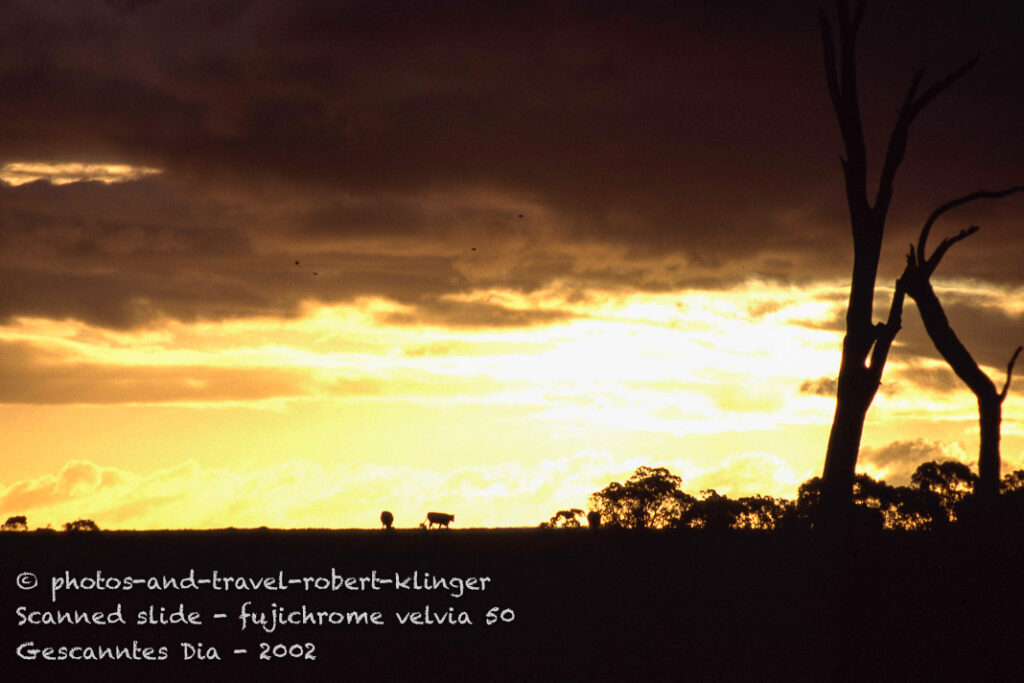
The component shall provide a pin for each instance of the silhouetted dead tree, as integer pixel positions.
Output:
(866, 344)
(916, 280)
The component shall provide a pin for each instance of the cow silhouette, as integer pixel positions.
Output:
(387, 519)
(441, 519)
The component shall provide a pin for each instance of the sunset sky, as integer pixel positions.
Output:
(292, 263)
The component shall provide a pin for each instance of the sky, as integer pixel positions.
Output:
(294, 263)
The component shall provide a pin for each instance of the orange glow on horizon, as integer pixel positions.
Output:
(269, 421)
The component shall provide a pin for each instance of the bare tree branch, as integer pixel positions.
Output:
(960, 201)
(831, 75)
(929, 265)
(849, 23)
(886, 333)
(858, 14)
(847, 40)
(841, 76)
(941, 85)
(843, 12)
(1009, 373)
(915, 83)
(912, 106)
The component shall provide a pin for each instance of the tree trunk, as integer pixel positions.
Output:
(963, 364)
(866, 346)
(841, 458)
(854, 388)
(990, 416)
(916, 279)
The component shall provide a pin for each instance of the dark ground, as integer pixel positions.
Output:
(587, 606)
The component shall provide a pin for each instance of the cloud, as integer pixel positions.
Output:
(927, 377)
(21, 172)
(473, 314)
(745, 475)
(985, 324)
(78, 479)
(896, 461)
(660, 148)
(823, 386)
(35, 376)
(40, 376)
(987, 320)
(474, 348)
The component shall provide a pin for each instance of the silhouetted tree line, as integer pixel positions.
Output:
(939, 495)
(17, 523)
(81, 525)
(20, 523)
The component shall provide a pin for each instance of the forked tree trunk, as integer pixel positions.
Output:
(958, 358)
(916, 279)
(855, 390)
(866, 345)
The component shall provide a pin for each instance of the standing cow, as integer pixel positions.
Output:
(441, 519)
(387, 519)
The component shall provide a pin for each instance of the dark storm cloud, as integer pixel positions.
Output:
(378, 143)
(989, 333)
(916, 376)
